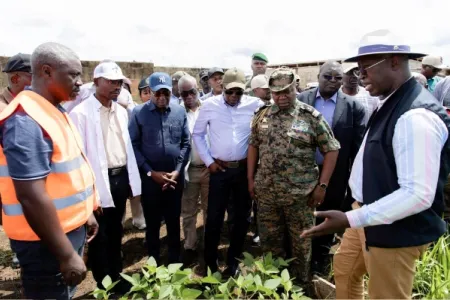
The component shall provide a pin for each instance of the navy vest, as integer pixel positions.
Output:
(380, 174)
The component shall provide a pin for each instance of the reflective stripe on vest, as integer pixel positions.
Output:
(16, 209)
(60, 167)
(70, 183)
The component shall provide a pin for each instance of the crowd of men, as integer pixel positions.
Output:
(365, 154)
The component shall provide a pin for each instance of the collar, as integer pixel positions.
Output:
(228, 105)
(8, 95)
(333, 98)
(389, 96)
(98, 105)
(199, 103)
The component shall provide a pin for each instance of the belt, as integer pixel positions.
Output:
(197, 166)
(116, 171)
(231, 164)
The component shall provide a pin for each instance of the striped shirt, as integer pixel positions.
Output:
(419, 137)
(369, 103)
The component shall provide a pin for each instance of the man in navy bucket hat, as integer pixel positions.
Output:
(397, 178)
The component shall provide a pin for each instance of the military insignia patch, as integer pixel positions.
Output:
(300, 126)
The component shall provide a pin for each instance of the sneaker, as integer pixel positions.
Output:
(256, 241)
(140, 226)
(15, 262)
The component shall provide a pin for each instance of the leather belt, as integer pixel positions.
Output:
(231, 164)
(116, 171)
(197, 166)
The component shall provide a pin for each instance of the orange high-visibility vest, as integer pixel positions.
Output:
(70, 183)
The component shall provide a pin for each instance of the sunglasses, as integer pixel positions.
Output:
(363, 70)
(235, 92)
(330, 77)
(187, 93)
(161, 92)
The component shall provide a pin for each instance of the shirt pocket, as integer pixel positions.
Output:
(300, 139)
(175, 134)
(152, 136)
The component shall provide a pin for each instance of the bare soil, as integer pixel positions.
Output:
(134, 250)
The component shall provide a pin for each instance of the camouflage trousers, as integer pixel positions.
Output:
(282, 218)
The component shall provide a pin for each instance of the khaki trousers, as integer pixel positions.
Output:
(198, 186)
(391, 270)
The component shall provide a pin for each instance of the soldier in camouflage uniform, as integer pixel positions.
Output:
(285, 136)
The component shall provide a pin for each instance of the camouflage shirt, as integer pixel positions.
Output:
(287, 143)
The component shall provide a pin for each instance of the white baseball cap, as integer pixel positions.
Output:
(434, 61)
(350, 67)
(259, 81)
(109, 70)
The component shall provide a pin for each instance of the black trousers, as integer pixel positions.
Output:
(105, 249)
(222, 185)
(158, 204)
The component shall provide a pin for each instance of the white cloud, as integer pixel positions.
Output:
(212, 33)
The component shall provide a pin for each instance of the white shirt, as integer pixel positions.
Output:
(229, 128)
(370, 103)
(86, 117)
(419, 136)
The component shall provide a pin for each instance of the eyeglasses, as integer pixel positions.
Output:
(330, 77)
(187, 93)
(164, 92)
(363, 70)
(235, 92)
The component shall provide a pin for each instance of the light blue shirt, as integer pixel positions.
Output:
(326, 108)
(229, 128)
(174, 99)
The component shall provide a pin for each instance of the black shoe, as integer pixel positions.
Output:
(200, 271)
(122, 287)
(230, 271)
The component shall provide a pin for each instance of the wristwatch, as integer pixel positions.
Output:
(149, 174)
(323, 186)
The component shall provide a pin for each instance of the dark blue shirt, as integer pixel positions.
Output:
(160, 139)
(28, 150)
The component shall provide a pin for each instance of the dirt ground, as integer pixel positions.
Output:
(134, 250)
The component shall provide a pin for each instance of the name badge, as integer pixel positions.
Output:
(300, 126)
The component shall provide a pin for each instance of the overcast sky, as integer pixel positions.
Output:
(220, 33)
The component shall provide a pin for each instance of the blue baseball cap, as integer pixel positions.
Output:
(160, 80)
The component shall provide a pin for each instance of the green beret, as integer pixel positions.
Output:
(260, 56)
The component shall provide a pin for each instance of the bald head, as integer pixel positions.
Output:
(331, 64)
(330, 78)
(52, 54)
(56, 72)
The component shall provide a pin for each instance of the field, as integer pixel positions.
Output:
(135, 254)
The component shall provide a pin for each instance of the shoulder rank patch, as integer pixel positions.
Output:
(259, 115)
(314, 112)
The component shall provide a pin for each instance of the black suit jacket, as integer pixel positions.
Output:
(348, 128)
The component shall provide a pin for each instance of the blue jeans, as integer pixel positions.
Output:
(40, 273)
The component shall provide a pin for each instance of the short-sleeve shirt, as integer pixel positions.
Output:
(287, 142)
(27, 148)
